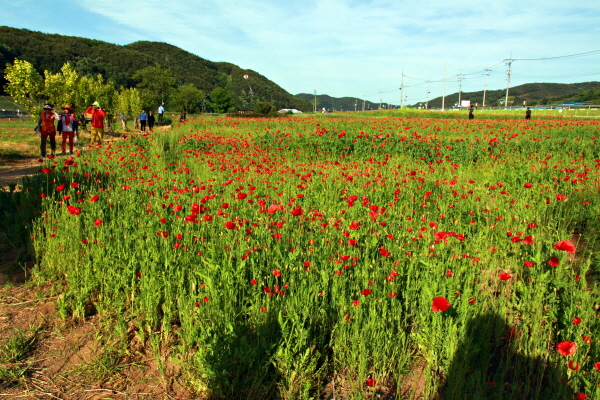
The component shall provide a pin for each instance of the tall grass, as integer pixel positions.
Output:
(300, 257)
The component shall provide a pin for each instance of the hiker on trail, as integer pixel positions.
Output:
(528, 113)
(67, 126)
(45, 126)
(151, 121)
(143, 120)
(98, 115)
(471, 116)
(161, 111)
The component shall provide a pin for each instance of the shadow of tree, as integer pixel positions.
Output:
(489, 365)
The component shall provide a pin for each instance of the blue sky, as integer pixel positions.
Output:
(349, 47)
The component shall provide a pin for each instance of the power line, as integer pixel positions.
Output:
(587, 53)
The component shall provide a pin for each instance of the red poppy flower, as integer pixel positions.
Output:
(393, 294)
(74, 210)
(529, 239)
(307, 264)
(366, 292)
(472, 300)
(98, 222)
(576, 321)
(371, 382)
(355, 303)
(230, 225)
(528, 185)
(565, 245)
(597, 366)
(529, 264)
(587, 339)
(384, 252)
(581, 396)
(553, 262)
(574, 365)
(277, 273)
(253, 282)
(504, 276)
(297, 212)
(94, 199)
(138, 274)
(566, 348)
(440, 304)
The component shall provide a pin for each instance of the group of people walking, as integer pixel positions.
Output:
(68, 126)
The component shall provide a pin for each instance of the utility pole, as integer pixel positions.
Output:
(401, 87)
(444, 90)
(364, 95)
(487, 74)
(427, 101)
(509, 64)
(355, 103)
(460, 79)
(380, 99)
(315, 101)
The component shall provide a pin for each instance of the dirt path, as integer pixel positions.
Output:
(12, 172)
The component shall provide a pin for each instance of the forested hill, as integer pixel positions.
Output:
(532, 93)
(341, 103)
(119, 63)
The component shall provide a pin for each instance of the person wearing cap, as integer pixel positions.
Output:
(67, 125)
(45, 126)
(98, 115)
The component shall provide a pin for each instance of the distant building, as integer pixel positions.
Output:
(285, 110)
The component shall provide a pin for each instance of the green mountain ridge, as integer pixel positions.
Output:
(531, 93)
(341, 103)
(118, 64)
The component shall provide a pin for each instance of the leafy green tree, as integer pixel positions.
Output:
(187, 98)
(263, 107)
(61, 88)
(156, 85)
(25, 85)
(221, 100)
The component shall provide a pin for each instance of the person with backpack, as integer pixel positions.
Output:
(45, 127)
(67, 126)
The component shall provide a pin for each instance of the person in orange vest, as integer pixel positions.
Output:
(98, 115)
(45, 126)
(67, 126)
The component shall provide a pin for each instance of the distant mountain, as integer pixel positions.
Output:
(118, 64)
(532, 93)
(341, 103)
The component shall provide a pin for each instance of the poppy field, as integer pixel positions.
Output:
(343, 257)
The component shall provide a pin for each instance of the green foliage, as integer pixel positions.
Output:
(156, 85)
(25, 85)
(221, 100)
(264, 107)
(118, 64)
(61, 88)
(187, 98)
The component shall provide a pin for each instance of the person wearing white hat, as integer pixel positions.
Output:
(98, 115)
(46, 128)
